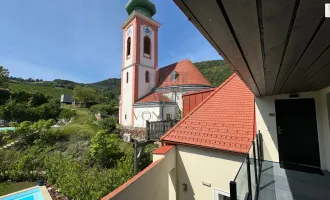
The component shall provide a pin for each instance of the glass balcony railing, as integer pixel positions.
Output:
(246, 184)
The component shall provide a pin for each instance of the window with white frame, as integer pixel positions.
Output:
(221, 195)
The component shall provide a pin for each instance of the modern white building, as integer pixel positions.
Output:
(149, 93)
(265, 132)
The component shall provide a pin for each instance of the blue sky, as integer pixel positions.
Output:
(81, 40)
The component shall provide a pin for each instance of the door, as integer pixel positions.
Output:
(297, 132)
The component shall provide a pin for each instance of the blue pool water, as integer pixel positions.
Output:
(7, 128)
(33, 194)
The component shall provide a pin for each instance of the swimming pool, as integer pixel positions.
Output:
(30, 194)
(6, 128)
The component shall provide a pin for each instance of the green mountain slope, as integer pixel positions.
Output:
(109, 84)
(215, 71)
(50, 90)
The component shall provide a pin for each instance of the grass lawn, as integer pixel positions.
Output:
(7, 188)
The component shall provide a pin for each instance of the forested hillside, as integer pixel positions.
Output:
(47, 90)
(58, 87)
(216, 71)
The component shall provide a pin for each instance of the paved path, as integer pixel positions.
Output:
(282, 184)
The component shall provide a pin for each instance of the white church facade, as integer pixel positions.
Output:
(149, 93)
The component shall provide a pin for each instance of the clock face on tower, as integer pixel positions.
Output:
(129, 32)
(147, 30)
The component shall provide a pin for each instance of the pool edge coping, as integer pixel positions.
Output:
(45, 193)
(43, 189)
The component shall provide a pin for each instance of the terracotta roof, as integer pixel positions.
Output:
(163, 149)
(154, 97)
(199, 92)
(225, 120)
(187, 74)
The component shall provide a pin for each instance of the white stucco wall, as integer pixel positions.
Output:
(141, 114)
(157, 183)
(126, 101)
(128, 61)
(195, 165)
(152, 113)
(144, 87)
(267, 124)
(170, 109)
(177, 96)
(144, 60)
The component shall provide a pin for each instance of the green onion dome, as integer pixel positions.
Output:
(142, 6)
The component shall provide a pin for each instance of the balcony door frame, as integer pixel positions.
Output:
(291, 136)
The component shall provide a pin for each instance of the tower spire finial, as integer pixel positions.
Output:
(145, 7)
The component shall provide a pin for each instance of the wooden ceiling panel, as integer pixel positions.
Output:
(275, 46)
(209, 13)
(309, 15)
(246, 27)
(276, 17)
(319, 65)
(314, 52)
(319, 80)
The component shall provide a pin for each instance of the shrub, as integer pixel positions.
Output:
(108, 124)
(104, 149)
(104, 109)
(38, 132)
(78, 182)
(22, 165)
(146, 157)
(67, 114)
(16, 111)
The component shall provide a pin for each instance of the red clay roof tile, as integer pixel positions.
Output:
(225, 120)
(154, 97)
(163, 149)
(187, 74)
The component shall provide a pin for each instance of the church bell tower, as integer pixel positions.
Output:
(140, 57)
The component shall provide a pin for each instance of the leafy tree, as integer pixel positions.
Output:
(215, 71)
(4, 96)
(104, 148)
(51, 110)
(37, 99)
(67, 114)
(85, 94)
(4, 77)
(12, 110)
(22, 111)
(104, 109)
(108, 124)
(37, 132)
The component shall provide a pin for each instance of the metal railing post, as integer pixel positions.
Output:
(249, 175)
(258, 150)
(135, 157)
(148, 130)
(233, 190)
(261, 146)
(255, 161)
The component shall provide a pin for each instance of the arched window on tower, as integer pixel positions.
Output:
(147, 47)
(147, 76)
(126, 77)
(128, 46)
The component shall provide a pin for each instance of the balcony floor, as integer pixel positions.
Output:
(283, 184)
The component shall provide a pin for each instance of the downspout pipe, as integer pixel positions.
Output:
(163, 111)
